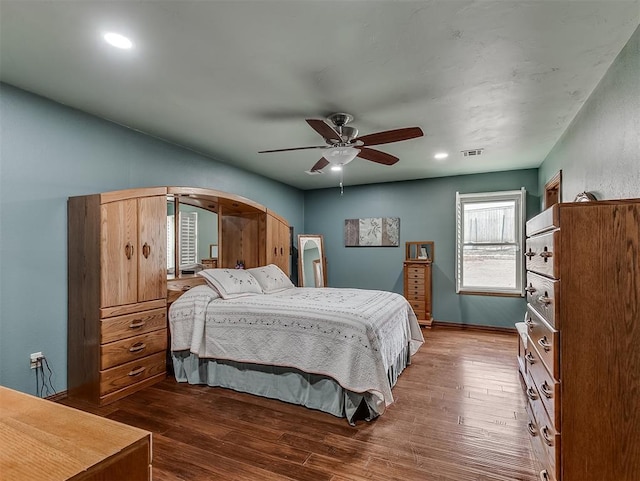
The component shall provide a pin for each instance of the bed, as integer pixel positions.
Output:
(336, 350)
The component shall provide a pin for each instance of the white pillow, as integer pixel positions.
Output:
(271, 278)
(231, 283)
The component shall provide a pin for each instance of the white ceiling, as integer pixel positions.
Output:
(230, 78)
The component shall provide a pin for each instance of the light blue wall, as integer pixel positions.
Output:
(427, 212)
(600, 151)
(48, 153)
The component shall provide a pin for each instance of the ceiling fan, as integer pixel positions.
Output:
(343, 144)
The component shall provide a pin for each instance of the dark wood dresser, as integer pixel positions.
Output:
(583, 349)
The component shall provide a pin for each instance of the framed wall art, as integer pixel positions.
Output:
(372, 232)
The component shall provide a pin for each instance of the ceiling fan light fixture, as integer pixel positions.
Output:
(117, 40)
(336, 168)
(441, 156)
(340, 155)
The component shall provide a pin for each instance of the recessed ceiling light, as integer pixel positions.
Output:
(118, 41)
(441, 155)
(336, 168)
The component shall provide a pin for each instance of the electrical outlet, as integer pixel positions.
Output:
(35, 360)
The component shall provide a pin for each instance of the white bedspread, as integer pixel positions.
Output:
(351, 335)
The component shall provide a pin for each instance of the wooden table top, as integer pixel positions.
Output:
(42, 440)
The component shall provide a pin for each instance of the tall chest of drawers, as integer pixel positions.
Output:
(417, 289)
(583, 349)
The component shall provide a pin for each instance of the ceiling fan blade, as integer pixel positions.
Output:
(321, 164)
(293, 148)
(389, 136)
(324, 129)
(377, 156)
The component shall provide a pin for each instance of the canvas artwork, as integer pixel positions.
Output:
(372, 231)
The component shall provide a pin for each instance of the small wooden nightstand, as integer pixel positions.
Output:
(417, 279)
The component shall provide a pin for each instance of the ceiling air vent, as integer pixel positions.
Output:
(472, 152)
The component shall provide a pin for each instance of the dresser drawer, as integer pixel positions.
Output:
(548, 391)
(550, 440)
(415, 295)
(185, 283)
(415, 273)
(132, 348)
(546, 220)
(544, 339)
(121, 327)
(538, 447)
(544, 295)
(418, 306)
(132, 372)
(542, 254)
(413, 282)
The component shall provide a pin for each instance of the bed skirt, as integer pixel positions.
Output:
(291, 385)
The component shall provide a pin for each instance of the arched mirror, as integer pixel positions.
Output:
(190, 236)
(312, 266)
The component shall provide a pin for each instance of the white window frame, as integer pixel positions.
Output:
(519, 196)
(188, 237)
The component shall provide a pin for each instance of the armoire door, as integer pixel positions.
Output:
(119, 248)
(152, 248)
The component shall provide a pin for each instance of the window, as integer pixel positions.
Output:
(489, 237)
(188, 235)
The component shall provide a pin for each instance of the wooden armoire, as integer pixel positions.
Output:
(117, 285)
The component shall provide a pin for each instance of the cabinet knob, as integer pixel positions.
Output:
(544, 343)
(546, 390)
(546, 300)
(137, 371)
(546, 254)
(137, 347)
(128, 250)
(545, 436)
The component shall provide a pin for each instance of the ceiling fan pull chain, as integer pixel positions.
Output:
(341, 183)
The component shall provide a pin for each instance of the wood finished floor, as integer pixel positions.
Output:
(458, 416)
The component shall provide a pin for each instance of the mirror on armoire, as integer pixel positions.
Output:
(312, 266)
(192, 238)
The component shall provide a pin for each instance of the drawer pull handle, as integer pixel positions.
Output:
(128, 250)
(545, 300)
(530, 254)
(529, 358)
(136, 325)
(137, 347)
(545, 436)
(531, 394)
(544, 475)
(530, 289)
(546, 390)
(544, 343)
(146, 250)
(546, 254)
(532, 429)
(137, 371)
(529, 323)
